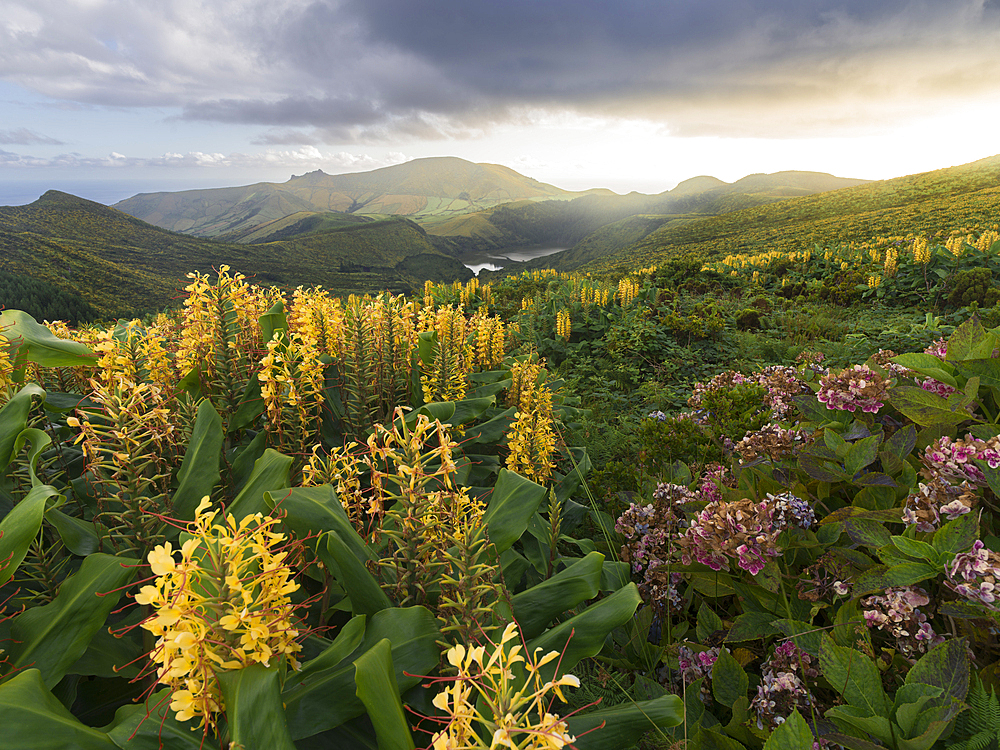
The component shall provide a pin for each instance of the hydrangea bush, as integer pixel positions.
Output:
(841, 564)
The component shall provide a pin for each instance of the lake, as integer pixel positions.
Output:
(520, 255)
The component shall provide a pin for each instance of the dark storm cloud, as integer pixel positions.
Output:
(366, 70)
(25, 137)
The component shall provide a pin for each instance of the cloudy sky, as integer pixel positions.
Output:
(626, 94)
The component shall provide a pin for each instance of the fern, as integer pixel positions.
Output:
(979, 727)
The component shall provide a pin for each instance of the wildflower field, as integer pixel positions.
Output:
(687, 507)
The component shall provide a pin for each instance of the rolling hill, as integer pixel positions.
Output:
(439, 186)
(120, 265)
(589, 225)
(927, 203)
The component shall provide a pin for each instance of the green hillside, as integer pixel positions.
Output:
(120, 265)
(592, 220)
(929, 202)
(440, 186)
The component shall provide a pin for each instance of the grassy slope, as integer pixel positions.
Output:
(121, 265)
(944, 199)
(591, 225)
(444, 186)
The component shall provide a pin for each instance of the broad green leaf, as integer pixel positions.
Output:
(78, 535)
(376, 687)
(316, 514)
(199, 471)
(945, 666)
(792, 734)
(253, 708)
(273, 321)
(710, 739)
(860, 719)
(19, 527)
(250, 407)
(915, 548)
(854, 676)
(583, 635)
(926, 408)
(965, 339)
(729, 681)
(987, 370)
(927, 365)
(933, 725)
(52, 637)
(346, 643)
(537, 606)
(110, 656)
(909, 704)
(31, 718)
(153, 726)
(511, 505)
(366, 595)
(958, 535)
(39, 440)
(624, 725)
(707, 622)
(39, 345)
(322, 698)
(750, 626)
(270, 474)
(14, 419)
(880, 577)
(861, 453)
(868, 532)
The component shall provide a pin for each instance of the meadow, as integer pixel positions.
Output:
(733, 502)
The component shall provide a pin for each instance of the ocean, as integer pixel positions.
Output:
(108, 192)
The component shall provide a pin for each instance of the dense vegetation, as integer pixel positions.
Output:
(748, 502)
(122, 266)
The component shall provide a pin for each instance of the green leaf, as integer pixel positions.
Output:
(316, 514)
(792, 734)
(854, 676)
(729, 681)
(963, 342)
(324, 697)
(583, 635)
(340, 556)
(513, 502)
(862, 720)
(861, 453)
(536, 607)
(707, 623)
(52, 637)
(199, 471)
(78, 535)
(868, 532)
(19, 527)
(273, 321)
(623, 726)
(958, 535)
(253, 708)
(14, 419)
(915, 548)
(926, 408)
(39, 345)
(270, 474)
(928, 365)
(750, 626)
(34, 719)
(39, 440)
(807, 637)
(377, 689)
(909, 704)
(987, 370)
(945, 666)
(153, 726)
(880, 577)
